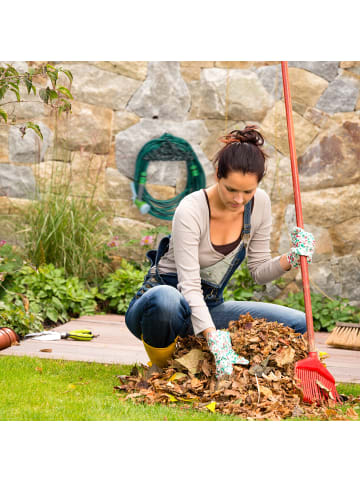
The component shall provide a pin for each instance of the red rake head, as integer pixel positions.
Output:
(315, 381)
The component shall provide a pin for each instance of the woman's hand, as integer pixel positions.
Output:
(303, 244)
(220, 346)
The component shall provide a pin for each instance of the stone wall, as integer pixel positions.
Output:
(119, 106)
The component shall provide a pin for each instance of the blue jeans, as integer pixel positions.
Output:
(162, 313)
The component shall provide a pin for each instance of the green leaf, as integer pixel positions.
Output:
(43, 93)
(53, 76)
(52, 93)
(52, 314)
(28, 84)
(66, 107)
(67, 73)
(3, 90)
(16, 92)
(65, 91)
(4, 115)
(35, 128)
(11, 71)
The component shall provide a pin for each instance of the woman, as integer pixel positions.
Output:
(213, 230)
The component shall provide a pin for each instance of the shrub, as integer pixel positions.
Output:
(119, 287)
(326, 312)
(241, 285)
(19, 320)
(66, 232)
(50, 294)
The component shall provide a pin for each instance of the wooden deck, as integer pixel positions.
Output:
(116, 345)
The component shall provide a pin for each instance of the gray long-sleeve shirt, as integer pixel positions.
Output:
(190, 250)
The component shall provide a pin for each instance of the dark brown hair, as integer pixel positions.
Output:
(242, 152)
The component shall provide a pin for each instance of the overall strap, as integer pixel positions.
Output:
(162, 249)
(247, 225)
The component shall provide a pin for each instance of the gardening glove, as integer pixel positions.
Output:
(220, 346)
(303, 244)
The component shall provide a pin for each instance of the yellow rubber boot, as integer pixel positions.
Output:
(159, 356)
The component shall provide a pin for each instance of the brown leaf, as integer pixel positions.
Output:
(46, 350)
(266, 391)
(232, 393)
(142, 384)
(350, 412)
(196, 383)
(297, 412)
(206, 368)
(284, 356)
(190, 361)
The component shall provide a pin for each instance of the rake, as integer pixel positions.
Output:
(315, 381)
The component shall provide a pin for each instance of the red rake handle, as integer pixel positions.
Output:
(298, 208)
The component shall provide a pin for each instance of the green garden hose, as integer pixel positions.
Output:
(165, 148)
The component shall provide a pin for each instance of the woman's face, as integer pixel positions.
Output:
(236, 190)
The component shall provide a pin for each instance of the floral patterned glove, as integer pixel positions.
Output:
(220, 346)
(303, 245)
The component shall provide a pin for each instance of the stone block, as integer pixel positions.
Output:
(29, 148)
(122, 120)
(340, 96)
(52, 176)
(88, 175)
(235, 94)
(17, 181)
(340, 276)
(326, 70)
(87, 128)
(271, 78)
(20, 65)
(159, 192)
(13, 206)
(163, 95)
(190, 74)
(10, 225)
(248, 99)
(346, 236)
(306, 87)
(4, 144)
(277, 181)
(30, 108)
(194, 89)
(242, 64)
(203, 64)
(213, 87)
(93, 85)
(134, 69)
(274, 129)
(332, 159)
(317, 117)
(332, 205)
(117, 185)
(347, 64)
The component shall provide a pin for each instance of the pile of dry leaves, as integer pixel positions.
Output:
(266, 389)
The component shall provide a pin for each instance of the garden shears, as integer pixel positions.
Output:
(79, 335)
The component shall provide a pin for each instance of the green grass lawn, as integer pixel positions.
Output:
(42, 389)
